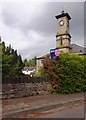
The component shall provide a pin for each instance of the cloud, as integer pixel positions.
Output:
(37, 44)
(30, 27)
(21, 14)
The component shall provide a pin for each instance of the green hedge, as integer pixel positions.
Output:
(70, 69)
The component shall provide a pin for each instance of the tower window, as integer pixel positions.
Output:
(61, 41)
(80, 51)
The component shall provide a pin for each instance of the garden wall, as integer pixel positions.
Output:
(26, 89)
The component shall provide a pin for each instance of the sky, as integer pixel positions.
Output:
(31, 27)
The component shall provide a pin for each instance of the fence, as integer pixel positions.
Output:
(26, 79)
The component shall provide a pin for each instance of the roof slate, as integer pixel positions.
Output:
(74, 49)
(77, 49)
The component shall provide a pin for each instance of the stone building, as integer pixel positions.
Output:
(63, 39)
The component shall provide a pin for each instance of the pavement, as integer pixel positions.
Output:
(13, 107)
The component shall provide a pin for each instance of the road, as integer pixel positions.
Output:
(74, 110)
(49, 106)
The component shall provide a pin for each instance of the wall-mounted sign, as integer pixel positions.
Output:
(54, 53)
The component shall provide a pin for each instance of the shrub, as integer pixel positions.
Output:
(69, 70)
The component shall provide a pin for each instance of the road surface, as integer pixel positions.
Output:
(74, 110)
(49, 106)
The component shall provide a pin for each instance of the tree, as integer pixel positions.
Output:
(69, 71)
(49, 67)
(3, 47)
(30, 63)
(11, 62)
(26, 63)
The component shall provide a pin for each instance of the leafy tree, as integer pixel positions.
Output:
(30, 63)
(3, 47)
(11, 62)
(67, 73)
(26, 63)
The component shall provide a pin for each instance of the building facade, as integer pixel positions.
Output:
(63, 39)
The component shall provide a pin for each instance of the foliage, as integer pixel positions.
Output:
(69, 70)
(42, 72)
(30, 63)
(26, 63)
(49, 67)
(11, 62)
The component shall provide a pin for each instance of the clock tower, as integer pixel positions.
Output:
(63, 37)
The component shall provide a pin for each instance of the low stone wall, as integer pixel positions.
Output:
(25, 90)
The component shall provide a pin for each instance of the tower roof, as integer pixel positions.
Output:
(63, 14)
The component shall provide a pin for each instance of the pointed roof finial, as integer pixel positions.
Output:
(62, 11)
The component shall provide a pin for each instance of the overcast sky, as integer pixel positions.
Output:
(31, 27)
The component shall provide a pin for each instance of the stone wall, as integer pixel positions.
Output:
(25, 89)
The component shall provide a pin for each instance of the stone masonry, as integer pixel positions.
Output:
(25, 90)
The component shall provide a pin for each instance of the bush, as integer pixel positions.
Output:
(70, 71)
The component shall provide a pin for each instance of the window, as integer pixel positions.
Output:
(61, 41)
(80, 51)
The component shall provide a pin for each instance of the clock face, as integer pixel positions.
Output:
(61, 23)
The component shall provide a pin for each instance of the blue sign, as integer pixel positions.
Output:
(54, 53)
